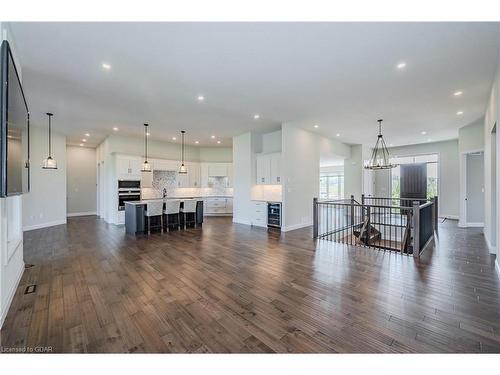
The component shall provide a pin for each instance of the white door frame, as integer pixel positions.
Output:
(462, 219)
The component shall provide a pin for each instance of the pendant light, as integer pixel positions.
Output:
(380, 154)
(146, 167)
(182, 169)
(50, 163)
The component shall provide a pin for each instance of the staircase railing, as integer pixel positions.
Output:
(403, 225)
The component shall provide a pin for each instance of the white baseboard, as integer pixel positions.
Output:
(44, 225)
(491, 248)
(81, 214)
(239, 221)
(474, 225)
(452, 217)
(296, 226)
(12, 293)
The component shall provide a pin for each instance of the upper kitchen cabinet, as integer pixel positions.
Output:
(194, 175)
(128, 168)
(230, 175)
(147, 179)
(268, 169)
(275, 168)
(165, 165)
(217, 170)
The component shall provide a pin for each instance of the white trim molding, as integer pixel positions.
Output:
(238, 221)
(73, 214)
(44, 225)
(491, 248)
(451, 217)
(474, 225)
(296, 226)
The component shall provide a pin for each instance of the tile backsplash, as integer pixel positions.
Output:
(167, 180)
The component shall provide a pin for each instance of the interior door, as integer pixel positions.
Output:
(413, 181)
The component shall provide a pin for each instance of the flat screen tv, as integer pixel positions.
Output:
(14, 129)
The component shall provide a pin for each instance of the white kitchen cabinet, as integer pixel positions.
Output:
(128, 168)
(259, 214)
(194, 175)
(164, 165)
(229, 175)
(182, 180)
(146, 179)
(268, 169)
(217, 170)
(218, 206)
(263, 170)
(122, 168)
(275, 163)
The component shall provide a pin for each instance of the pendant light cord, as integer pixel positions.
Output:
(50, 143)
(182, 147)
(50, 138)
(146, 141)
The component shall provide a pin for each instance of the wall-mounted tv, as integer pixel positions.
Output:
(14, 129)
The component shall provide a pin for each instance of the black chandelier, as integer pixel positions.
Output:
(380, 154)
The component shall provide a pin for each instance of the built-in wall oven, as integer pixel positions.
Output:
(128, 190)
(274, 214)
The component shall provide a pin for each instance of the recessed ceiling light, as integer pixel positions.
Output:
(256, 116)
(457, 93)
(401, 65)
(196, 142)
(213, 137)
(81, 144)
(423, 132)
(115, 129)
(106, 66)
(337, 135)
(316, 126)
(148, 133)
(201, 98)
(460, 113)
(87, 134)
(84, 140)
(174, 138)
(218, 142)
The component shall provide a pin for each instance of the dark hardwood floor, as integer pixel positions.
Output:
(233, 288)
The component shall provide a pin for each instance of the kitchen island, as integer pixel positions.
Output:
(135, 220)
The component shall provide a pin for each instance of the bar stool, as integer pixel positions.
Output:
(172, 207)
(189, 208)
(154, 209)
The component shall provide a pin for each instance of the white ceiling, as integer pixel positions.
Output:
(342, 76)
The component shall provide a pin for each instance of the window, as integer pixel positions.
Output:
(331, 186)
(432, 173)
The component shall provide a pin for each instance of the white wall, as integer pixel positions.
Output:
(216, 154)
(243, 177)
(271, 142)
(301, 153)
(300, 171)
(492, 165)
(81, 180)
(355, 174)
(448, 171)
(11, 220)
(45, 204)
(471, 137)
(166, 150)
